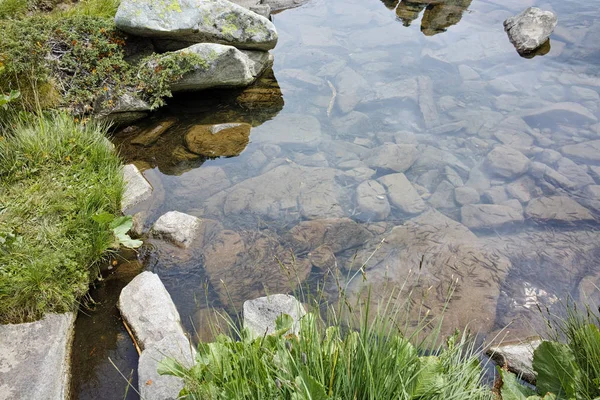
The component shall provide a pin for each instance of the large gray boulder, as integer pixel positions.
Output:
(530, 29)
(210, 65)
(185, 22)
(260, 314)
(35, 358)
(149, 311)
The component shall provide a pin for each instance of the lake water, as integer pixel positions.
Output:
(413, 123)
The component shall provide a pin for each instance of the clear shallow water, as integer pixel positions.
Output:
(431, 100)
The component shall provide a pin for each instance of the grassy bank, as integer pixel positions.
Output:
(56, 175)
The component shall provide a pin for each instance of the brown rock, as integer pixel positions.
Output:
(151, 135)
(222, 140)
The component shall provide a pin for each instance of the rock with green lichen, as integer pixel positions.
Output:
(175, 24)
(210, 65)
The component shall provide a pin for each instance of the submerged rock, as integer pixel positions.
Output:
(558, 209)
(507, 162)
(489, 216)
(151, 135)
(402, 194)
(372, 201)
(426, 257)
(339, 234)
(221, 140)
(530, 29)
(185, 22)
(586, 151)
(393, 157)
(210, 65)
(260, 315)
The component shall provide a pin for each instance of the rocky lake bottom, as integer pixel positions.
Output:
(409, 137)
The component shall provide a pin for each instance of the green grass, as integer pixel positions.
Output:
(55, 174)
(330, 360)
(92, 8)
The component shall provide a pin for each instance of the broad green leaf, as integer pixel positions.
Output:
(284, 322)
(170, 366)
(121, 225)
(310, 388)
(103, 218)
(512, 389)
(127, 241)
(556, 369)
(430, 378)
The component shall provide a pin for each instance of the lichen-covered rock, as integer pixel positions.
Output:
(221, 140)
(530, 29)
(119, 110)
(210, 65)
(185, 22)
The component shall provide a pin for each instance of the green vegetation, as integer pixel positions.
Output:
(328, 360)
(568, 366)
(59, 182)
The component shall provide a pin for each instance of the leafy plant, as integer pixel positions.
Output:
(119, 226)
(568, 370)
(330, 362)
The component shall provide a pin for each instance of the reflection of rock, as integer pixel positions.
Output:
(263, 95)
(197, 21)
(222, 140)
(427, 256)
(292, 130)
(201, 183)
(245, 265)
(530, 29)
(151, 135)
(281, 193)
(438, 15)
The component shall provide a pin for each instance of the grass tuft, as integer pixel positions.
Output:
(55, 174)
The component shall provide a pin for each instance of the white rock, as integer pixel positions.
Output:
(261, 314)
(518, 356)
(137, 188)
(177, 227)
(530, 29)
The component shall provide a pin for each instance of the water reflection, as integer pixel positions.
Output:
(438, 15)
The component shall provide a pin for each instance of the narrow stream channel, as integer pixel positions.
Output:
(358, 89)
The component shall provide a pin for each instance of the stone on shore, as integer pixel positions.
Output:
(261, 314)
(557, 209)
(402, 194)
(221, 140)
(211, 65)
(185, 22)
(177, 227)
(489, 216)
(123, 109)
(530, 29)
(517, 356)
(137, 188)
(149, 311)
(35, 358)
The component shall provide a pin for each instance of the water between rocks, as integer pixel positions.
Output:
(414, 122)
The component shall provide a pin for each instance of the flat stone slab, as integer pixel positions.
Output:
(149, 311)
(35, 358)
(137, 188)
(260, 314)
